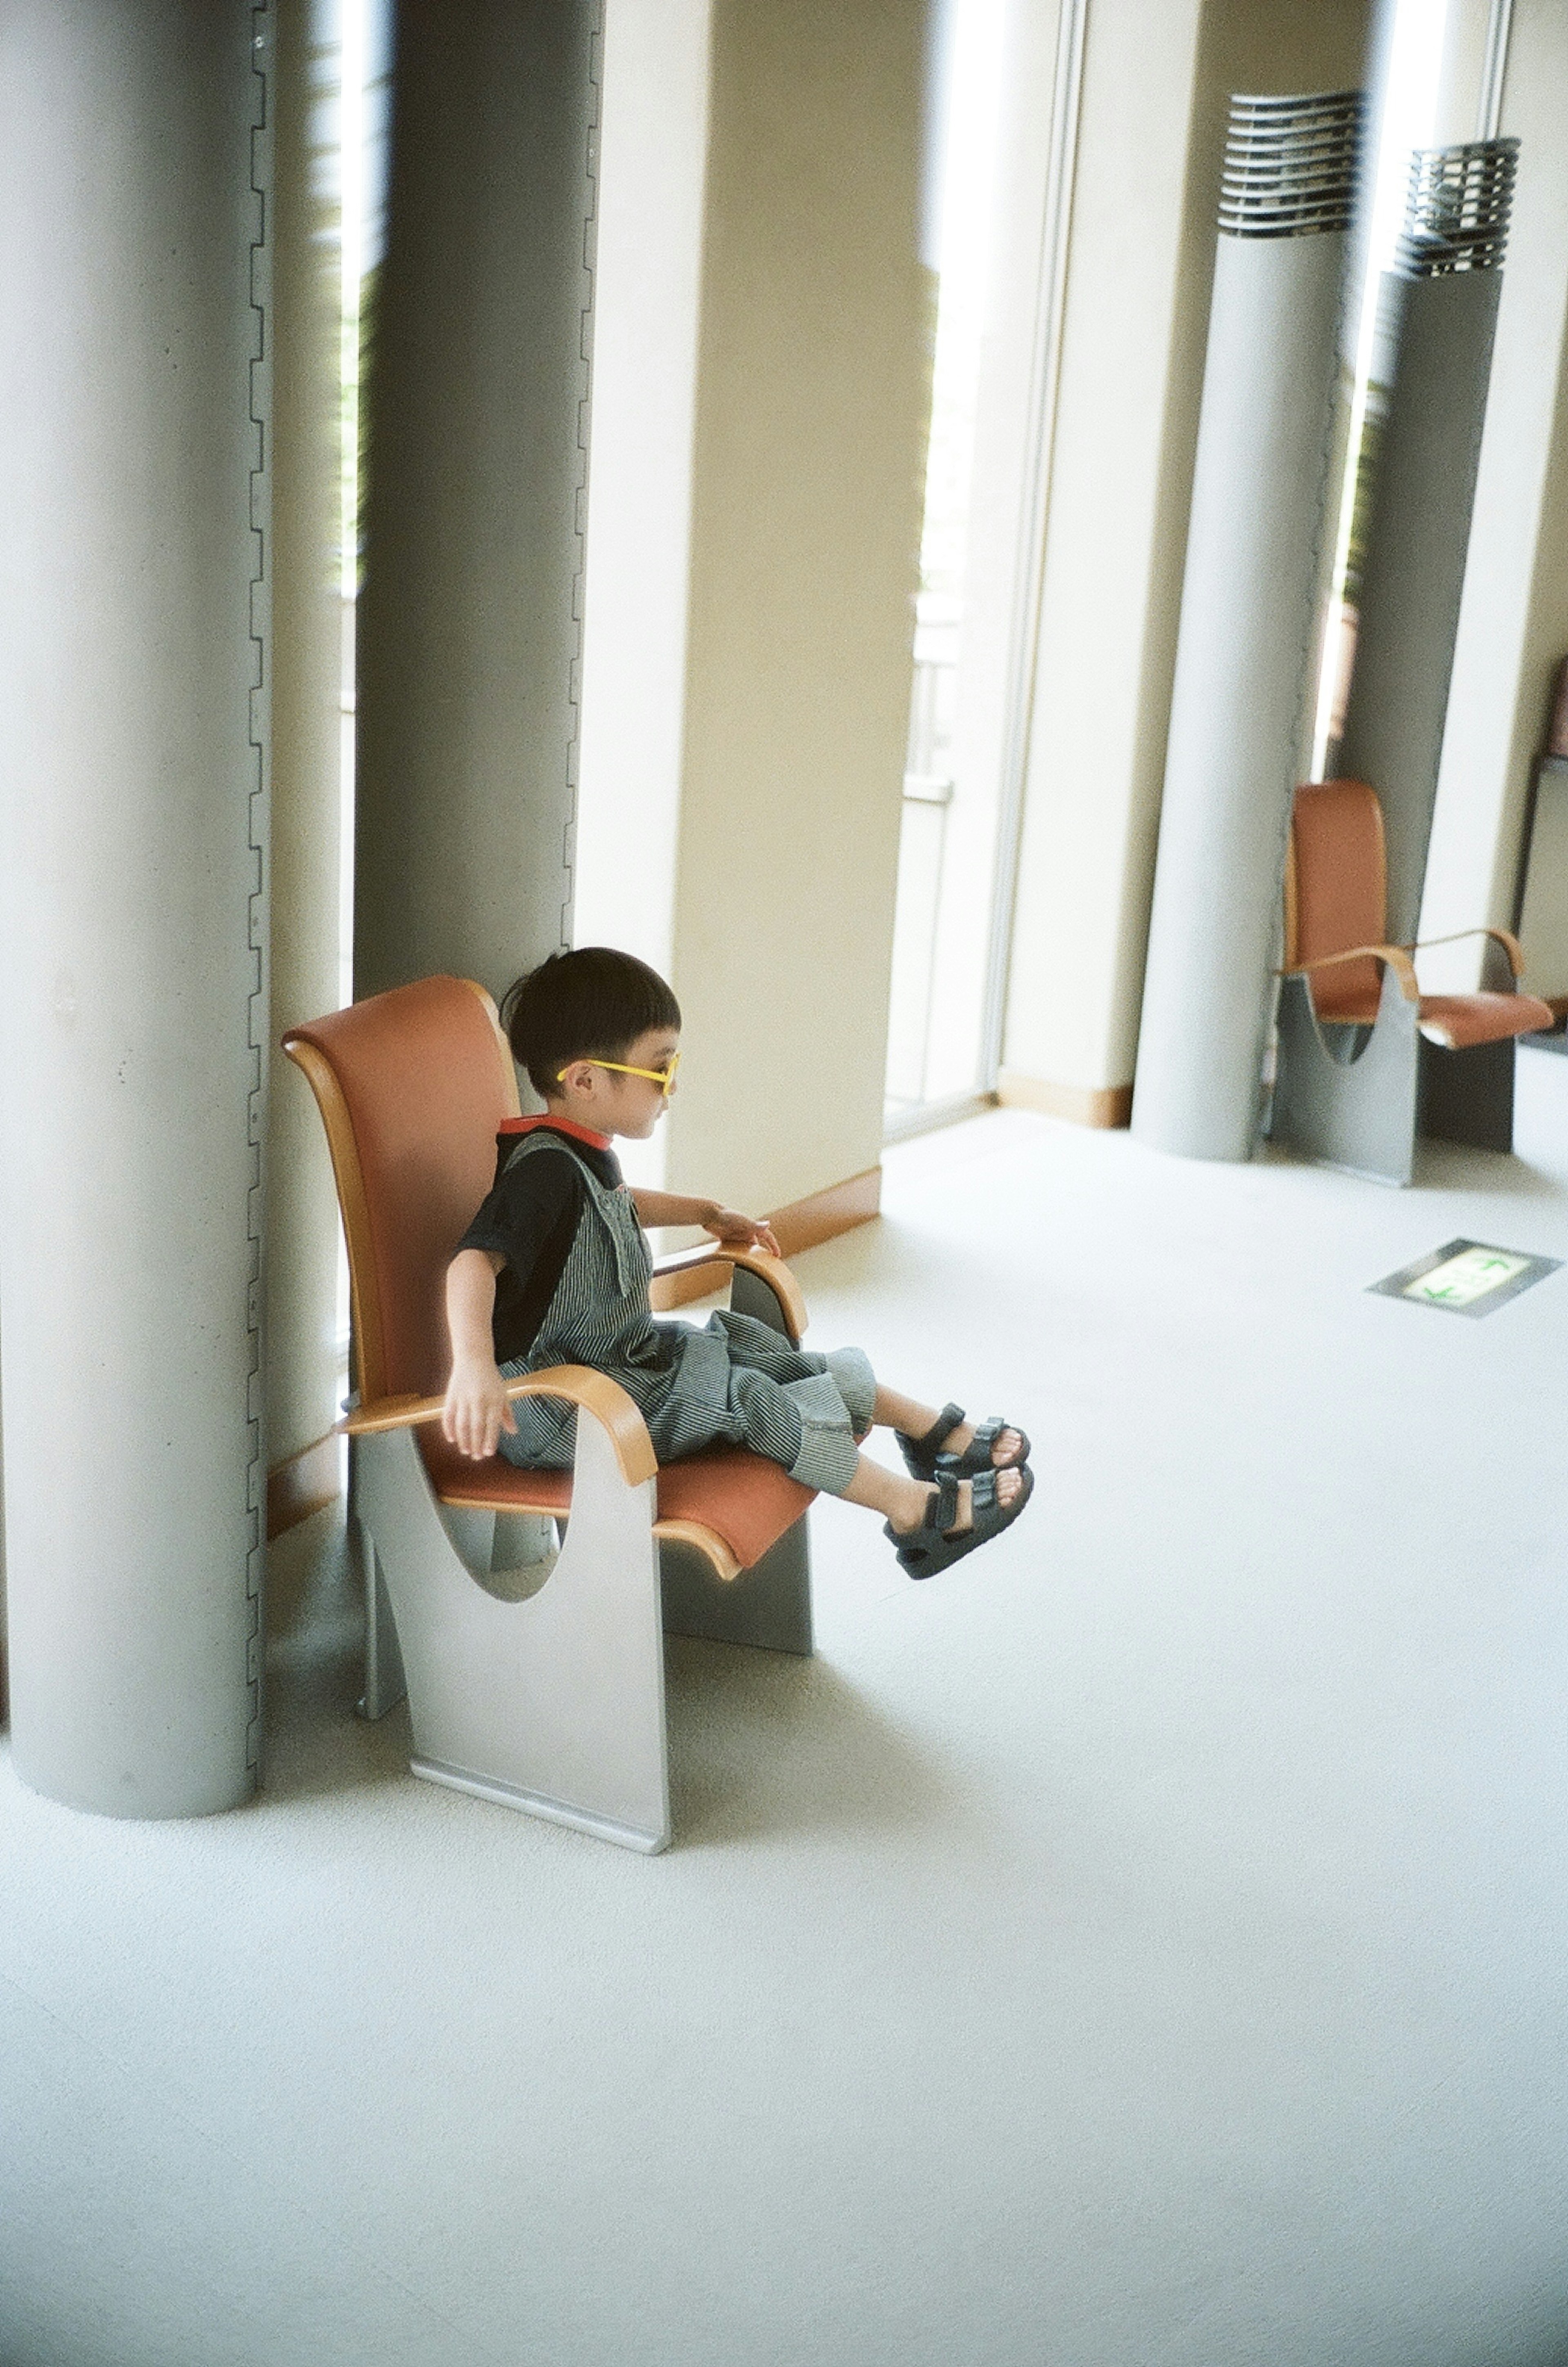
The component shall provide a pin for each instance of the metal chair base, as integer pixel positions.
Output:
(1357, 1098)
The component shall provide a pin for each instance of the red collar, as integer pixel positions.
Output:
(561, 1126)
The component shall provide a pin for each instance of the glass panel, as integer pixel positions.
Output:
(940, 939)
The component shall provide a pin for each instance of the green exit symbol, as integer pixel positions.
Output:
(1467, 1277)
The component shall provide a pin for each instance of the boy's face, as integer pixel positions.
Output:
(609, 1100)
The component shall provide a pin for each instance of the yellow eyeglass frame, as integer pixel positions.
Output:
(664, 1078)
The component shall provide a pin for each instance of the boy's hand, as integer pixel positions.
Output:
(476, 1410)
(729, 1225)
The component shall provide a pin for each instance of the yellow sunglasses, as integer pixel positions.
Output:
(664, 1078)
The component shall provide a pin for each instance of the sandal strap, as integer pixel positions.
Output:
(984, 1484)
(946, 1422)
(977, 1456)
(917, 1545)
(942, 1511)
(991, 1515)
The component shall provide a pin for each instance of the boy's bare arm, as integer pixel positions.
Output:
(724, 1224)
(476, 1411)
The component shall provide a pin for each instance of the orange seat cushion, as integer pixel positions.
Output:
(744, 1499)
(1338, 889)
(426, 1084)
(1458, 1021)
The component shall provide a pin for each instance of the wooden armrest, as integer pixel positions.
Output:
(596, 1393)
(768, 1269)
(1502, 937)
(1397, 957)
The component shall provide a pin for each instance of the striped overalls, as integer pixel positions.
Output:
(732, 1382)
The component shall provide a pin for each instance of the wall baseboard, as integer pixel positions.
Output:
(302, 1484)
(823, 1215)
(669, 1291)
(1101, 1105)
(800, 1226)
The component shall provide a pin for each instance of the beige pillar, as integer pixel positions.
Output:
(301, 1233)
(1157, 74)
(648, 299)
(791, 554)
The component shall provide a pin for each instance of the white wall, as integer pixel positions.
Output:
(759, 413)
(811, 419)
(652, 169)
(1095, 755)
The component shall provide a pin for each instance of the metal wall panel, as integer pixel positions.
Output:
(471, 615)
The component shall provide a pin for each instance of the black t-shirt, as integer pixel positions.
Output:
(530, 1217)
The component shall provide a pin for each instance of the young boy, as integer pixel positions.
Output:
(555, 1270)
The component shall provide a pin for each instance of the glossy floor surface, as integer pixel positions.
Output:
(1146, 1945)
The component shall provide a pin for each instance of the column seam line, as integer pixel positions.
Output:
(258, 818)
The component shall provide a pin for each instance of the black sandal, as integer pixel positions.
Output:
(924, 1551)
(924, 1459)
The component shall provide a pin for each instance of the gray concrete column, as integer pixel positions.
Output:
(469, 619)
(1248, 607)
(132, 922)
(1441, 303)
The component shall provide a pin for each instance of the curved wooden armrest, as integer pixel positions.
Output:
(1503, 938)
(1396, 956)
(770, 1270)
(596, 1393)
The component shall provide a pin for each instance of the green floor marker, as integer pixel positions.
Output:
(1467, 1277)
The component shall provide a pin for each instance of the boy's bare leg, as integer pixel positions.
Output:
(903, 1500)
(896, 1411)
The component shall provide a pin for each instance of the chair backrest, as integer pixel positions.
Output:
(1336, 892)
(412, 1085)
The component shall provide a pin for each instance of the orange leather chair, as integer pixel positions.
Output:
(522, 1611)
(1366, 1062)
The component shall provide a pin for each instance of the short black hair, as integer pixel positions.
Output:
(589, 1004)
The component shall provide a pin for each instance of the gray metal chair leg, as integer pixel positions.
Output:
(554, 1704)
(385, 1684)
(749, 1294)
(1468, 1096)
(1360, 1113)
(769, 1604)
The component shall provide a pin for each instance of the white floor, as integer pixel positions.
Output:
(1144, 1946)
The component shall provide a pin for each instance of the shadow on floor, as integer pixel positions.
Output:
(759, 1742)
(765, 1743)
(316, 1741)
